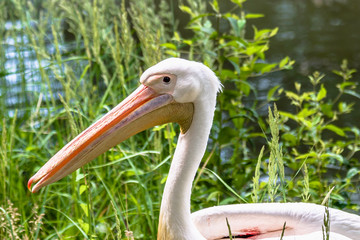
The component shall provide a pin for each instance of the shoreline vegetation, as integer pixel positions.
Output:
(66, 63)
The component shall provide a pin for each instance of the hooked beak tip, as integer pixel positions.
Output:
(31, 180)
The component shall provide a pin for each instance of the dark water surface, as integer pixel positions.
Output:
(318, 34)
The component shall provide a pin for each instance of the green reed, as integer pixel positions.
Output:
(75, 60)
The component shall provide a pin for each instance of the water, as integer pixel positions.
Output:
(20, 79)
(318, 34)
(22, 76)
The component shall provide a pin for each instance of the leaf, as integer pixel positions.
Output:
(332, 155)
(337, 197)
(288, 115)
(261, 34)
(215, 6)
(344, 85)
(169, 45)
(316, 78)
(290, 138)
(254, 15)
(252, 135)
(264, 67)
(187, 10)
(199, 16)
(283, 62)
(235, 64)
(306, 112)
(214, 195)
(226, 134)
(352, 172)
(169, 134)
(79, 176)
(84, 225)
(274, 32)
(84, 207)
(241, 24)
(322, 93)
(335, 129)
(271, 92)
(327, 109)
(237, 25)
(352, 93)
(226, 74)
(82, 189)
(306, 155)
(84, 71)
(176, 36)
(173, 53)
(268, 68)
(356, 131)
(246, 87)
(289, 65)
(344, 107)
(238, 2)
(188, 42)
(293, 96)
(207, 28)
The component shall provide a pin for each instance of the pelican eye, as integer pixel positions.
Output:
(166, 79)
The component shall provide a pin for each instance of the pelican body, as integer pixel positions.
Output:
(182, 91)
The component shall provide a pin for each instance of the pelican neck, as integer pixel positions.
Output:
(175, 216)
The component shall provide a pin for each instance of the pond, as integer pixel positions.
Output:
(317, 34)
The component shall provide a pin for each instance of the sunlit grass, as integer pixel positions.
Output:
(77, 81)
(65, 64)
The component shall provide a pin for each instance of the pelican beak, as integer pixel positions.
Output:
(143, 109)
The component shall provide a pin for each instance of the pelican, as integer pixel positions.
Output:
(182, 91)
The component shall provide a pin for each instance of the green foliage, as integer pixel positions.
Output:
(219, 41)
(276, 163)
(256, 179)
(319, 141)
(82, 59)
(78, 59)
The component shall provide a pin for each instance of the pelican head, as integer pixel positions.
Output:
(169, 92)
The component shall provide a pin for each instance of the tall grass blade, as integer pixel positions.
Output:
(226, 185)
(256, 178)
(276, 163)
(8, 218)
(229, 229)
(71, 220)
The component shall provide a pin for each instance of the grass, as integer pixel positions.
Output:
(72, 62)
(66, 85)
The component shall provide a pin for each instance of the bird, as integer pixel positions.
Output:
(183, 91)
